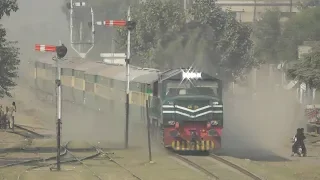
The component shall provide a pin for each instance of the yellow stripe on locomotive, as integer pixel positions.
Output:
(196, 146)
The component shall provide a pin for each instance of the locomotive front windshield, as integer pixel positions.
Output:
(207, 88)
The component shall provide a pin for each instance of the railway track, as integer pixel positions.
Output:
(30, 133)
(68, 156)
(28, 136)
(216, 167)
(195, 165)
(234, 166)
(105, 158)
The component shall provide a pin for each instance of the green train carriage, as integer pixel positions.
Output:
(95, 85)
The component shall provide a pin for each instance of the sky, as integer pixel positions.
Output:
(36, 22)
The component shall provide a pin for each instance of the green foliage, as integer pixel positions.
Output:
(7, 6)
(154, 19)
(213, 39)
(267, 36)
(9, 54)
(307, 69)
(304, 26)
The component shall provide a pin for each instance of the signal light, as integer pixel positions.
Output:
(90, 24)
(68, 5)
(61, 51)
(131, 25)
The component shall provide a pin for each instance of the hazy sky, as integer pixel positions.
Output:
(37, 21)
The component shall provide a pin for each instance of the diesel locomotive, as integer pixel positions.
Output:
(185, 107)
(187, 110)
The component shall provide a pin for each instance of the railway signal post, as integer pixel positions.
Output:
(61, 51)
(79, 46)
(148, 130)
(130, 27)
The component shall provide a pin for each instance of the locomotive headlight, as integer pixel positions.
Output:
(214, 103)
(214, 123)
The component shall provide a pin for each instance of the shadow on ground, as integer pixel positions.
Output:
(252, 154)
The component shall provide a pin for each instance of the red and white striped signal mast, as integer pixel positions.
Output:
(61, 52)
(130, 27)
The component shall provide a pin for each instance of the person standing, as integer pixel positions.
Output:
(12, 111)
(6, 117)
(2, 119)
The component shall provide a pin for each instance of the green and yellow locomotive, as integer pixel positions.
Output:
(188, 112)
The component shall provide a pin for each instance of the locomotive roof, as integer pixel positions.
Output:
(176, 74)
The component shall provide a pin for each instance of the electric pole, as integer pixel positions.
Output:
(130, 27)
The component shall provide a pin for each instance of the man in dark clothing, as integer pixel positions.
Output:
(299, 138)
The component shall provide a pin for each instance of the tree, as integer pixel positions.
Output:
(7, 6)
(213, 39)
(266, 37)
(307, 69)
(9, 54)
(304, 26)
(154, 19)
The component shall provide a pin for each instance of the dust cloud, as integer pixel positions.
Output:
(266, 120)
(42, 21)
(36, 22)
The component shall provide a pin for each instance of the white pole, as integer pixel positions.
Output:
(80, 37)
(58, 84)
(128, 83)
(71, 22)
(93, 30)
(128, 54)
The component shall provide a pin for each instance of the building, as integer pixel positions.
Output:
(247, 11)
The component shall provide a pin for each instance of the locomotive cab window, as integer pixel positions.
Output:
(209, 88)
